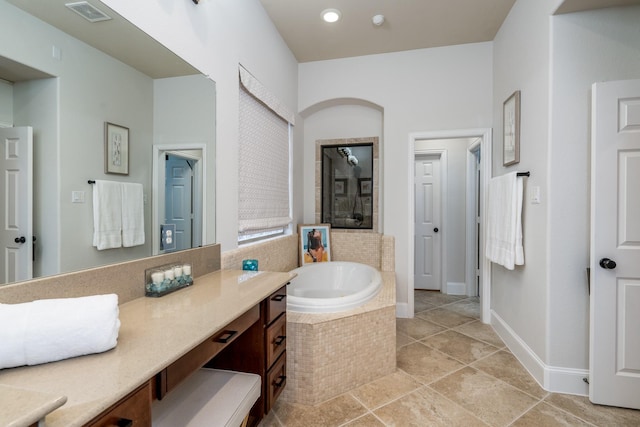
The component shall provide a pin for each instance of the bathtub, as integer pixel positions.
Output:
(331, 287)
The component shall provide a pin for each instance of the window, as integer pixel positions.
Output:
(264, 205)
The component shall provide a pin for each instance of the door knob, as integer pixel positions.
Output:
(435, 230)
(20, 239)
(607, 263)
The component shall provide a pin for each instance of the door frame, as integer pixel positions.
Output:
(471, 208)
(157, 189)
(441, 154)
(485, 137)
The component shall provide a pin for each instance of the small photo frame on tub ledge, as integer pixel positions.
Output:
(315, 245)
(116, 149)
(511, 130)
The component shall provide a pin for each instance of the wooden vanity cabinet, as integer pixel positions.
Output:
(132, 411)
(255, 343)
(261, 350)
(175, 373)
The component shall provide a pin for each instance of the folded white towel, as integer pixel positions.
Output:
(132, 215)
(54, 329)
(107, 215)
(504, 221)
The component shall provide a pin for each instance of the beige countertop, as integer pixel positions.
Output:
(154, 332)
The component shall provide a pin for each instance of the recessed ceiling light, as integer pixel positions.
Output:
(331, 15)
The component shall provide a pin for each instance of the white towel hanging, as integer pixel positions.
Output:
(107, 215)
(132, 215)
(118, 214)
(504, 221)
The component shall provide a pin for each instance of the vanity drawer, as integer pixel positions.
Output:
(196, 358)
(276, 339)
(276, 380)
(276, 304)
(133, 410)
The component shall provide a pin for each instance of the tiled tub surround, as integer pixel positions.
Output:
(331, 353)
(154, 333)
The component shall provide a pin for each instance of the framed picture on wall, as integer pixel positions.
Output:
(116, 149)
(315, 243)
(511, 130)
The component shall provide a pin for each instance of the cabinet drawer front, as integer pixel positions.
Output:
(196, 358)
(276, 381)
(135, 410)
(276, 304)
(276, 339)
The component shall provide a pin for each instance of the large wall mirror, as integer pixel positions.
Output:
(64, 78)
(348, 183)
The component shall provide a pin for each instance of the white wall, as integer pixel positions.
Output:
(333, 122)
(521, 62)
(586, 47)
(185, 113)
(420, 90)
(553, 60)
(215, 37)
(69, 134)
(6, 104)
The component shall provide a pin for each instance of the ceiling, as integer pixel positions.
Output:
(409, 24)
(116, 37)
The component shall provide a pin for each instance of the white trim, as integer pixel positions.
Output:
(471, 249)
(485, 135)
(456, 288)
(402, 309)
(551, 378)
(157, 196)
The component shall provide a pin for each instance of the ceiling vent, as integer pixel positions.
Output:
(88, 11)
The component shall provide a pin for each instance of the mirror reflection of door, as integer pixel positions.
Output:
(179, 198)
(16, 194)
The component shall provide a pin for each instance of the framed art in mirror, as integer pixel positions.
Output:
(116, 149)
(365, 186)
(511, 130)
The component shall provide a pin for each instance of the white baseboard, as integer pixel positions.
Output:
(402, 310)
(456, 288)
(551, 378)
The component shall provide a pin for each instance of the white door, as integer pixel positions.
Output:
(16, 187)
(427, 217)
(178, 199)
(615, 245)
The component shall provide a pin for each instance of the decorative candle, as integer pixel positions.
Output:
(168, 274)
(186, 269)
(157, 277)
(177, 271)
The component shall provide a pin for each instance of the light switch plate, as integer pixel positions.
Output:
(77, 197)
(535, 195)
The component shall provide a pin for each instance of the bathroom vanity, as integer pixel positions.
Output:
(229, 319)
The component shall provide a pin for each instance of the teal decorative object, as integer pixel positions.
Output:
(250, 264)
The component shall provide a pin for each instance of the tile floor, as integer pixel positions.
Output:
(452, 371)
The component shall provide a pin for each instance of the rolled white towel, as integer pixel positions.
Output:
(44, 331)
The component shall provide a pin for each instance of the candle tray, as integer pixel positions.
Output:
(168, 284)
